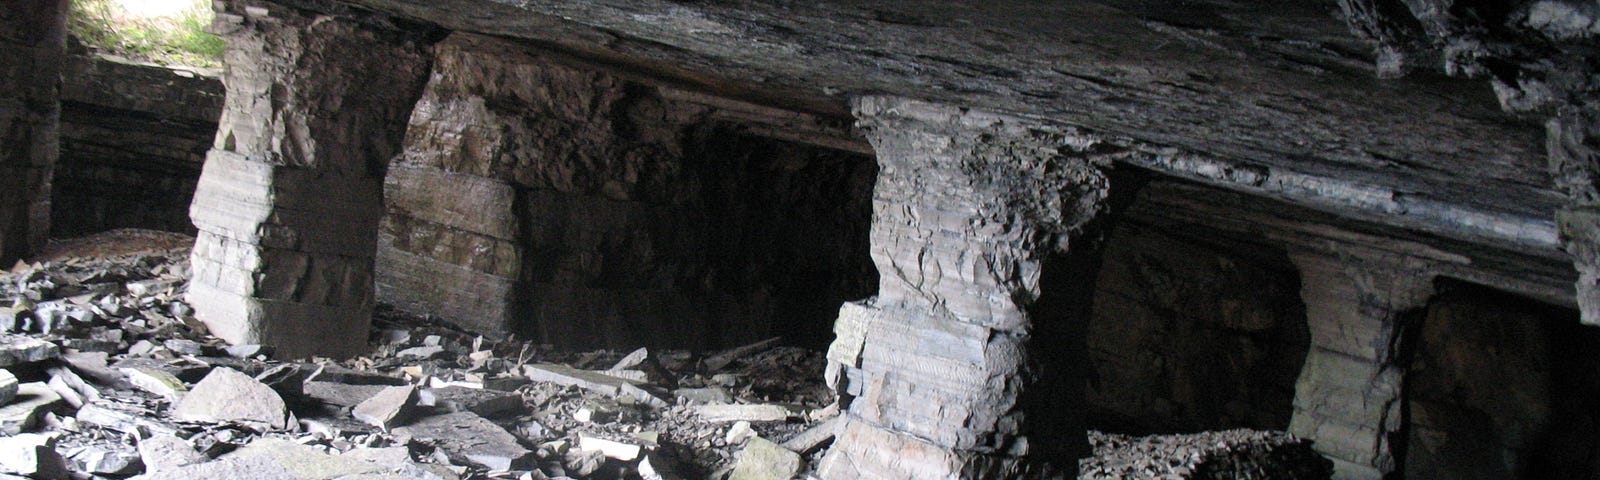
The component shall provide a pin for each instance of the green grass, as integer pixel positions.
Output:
(103, 25)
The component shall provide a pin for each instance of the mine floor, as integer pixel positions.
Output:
(107, 374)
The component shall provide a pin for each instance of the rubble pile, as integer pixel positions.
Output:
(1228, 454)
(105, 373)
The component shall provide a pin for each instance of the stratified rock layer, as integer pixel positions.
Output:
(289, 199)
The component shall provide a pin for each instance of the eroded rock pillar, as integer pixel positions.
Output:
(934, 370)
(1347, 398)
(1573, 140)
(32, 44)
(290, 196)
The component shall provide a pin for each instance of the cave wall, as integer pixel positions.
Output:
(1501, 387)
(133, 138)
(1190, 336)
(585, 209)
(32, 43)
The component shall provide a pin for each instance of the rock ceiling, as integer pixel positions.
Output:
(1271, 98)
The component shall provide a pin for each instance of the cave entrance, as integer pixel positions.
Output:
(1500, 386)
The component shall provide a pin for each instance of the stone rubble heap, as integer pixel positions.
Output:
(105, 373)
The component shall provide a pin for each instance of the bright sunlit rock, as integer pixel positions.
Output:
(155, 8)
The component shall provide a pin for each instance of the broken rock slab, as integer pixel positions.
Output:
(483, 402)
(735, 413)
(226, 395)
(625, 452)
(815, 437)
(33, 400)
(8, 386)
(32, 455)
(166, 452)
(340, 394)
(274, 459)
(156, 381)
(564, 375)
(763, 460)
(20, 349)
(469, 437)
(389, 408)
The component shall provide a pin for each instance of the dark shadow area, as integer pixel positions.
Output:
(1500, 386)
(1191, 332)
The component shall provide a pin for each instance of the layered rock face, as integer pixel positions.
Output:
(133, 138)
(583, 207)
(289, 200)
(32, 45)
(940, 370)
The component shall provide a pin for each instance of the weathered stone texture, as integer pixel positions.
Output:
(133, 138)
(1347, 398)
(966, 208)
(1189, 335)
(584, 207)
(32, 45)
(290, 196)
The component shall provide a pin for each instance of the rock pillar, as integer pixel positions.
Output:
(1348, 396)
(936, 371)
(291, 193)
(1573, 140)
(32, 49)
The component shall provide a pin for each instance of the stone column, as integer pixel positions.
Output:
(1573, 141)
(935, 369)
(291, 193)
(1348, 396)
(32, 49)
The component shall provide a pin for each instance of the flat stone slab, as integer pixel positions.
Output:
(763, 460)
(32, 401)
(387, 409)
(32, 455)
(564, 375)
(273, 459)
(20, 349)
(340, 394)
(483, 402)
(469, 437)
(747, 413)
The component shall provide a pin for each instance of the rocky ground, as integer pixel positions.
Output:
(106, 374)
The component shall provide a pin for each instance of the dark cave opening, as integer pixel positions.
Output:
(1500, 386)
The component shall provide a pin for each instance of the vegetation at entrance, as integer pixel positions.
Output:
(178, 38)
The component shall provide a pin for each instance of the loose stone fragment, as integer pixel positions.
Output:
(226, 395)
(102, 461)
(155, 381)
(469, 437)
(738, 433)
(564, 375)
(32, 455)
(166, 452)
(122, 417)
(340, 394)
(616, 450)
(815, 437)
(388, 408)
(480, 401)
(8, 387)
(734, 413)
(632, 359)
(423, 352)
(763, 460)
(19, 349)
(704, 395)
(33, 400)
